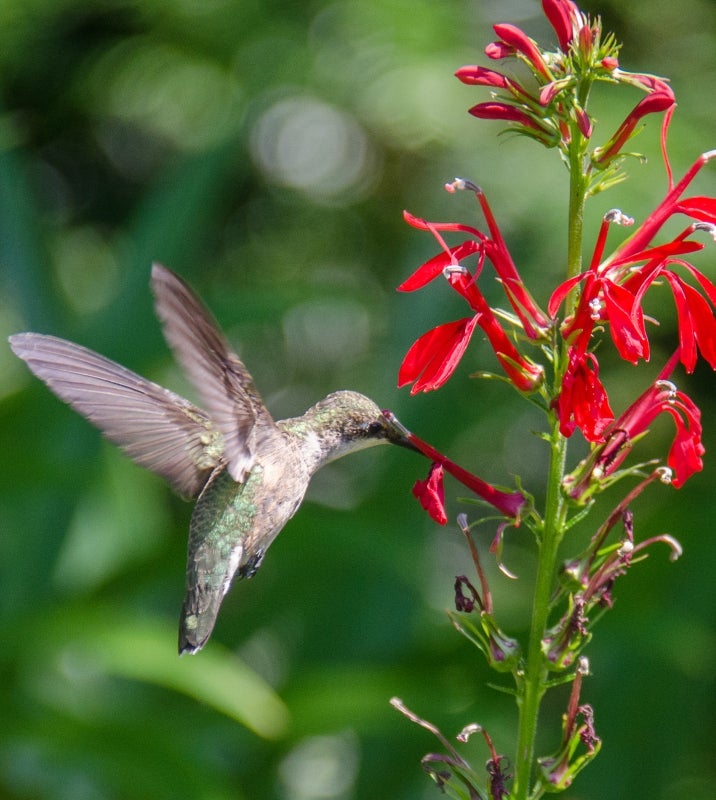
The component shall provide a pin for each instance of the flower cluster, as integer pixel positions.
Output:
(610, 293)
(551, 355)
(433, 357)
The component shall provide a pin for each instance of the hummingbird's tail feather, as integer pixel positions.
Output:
(198, 618)
(214, 553)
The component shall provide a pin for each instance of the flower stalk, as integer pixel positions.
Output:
(550, 357)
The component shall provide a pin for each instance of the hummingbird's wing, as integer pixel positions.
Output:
(155, 427)
(223, 382)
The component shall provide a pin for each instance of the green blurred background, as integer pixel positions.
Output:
(265, 151)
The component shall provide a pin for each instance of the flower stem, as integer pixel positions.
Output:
(533, 684)
(578, 183)
(535, 672)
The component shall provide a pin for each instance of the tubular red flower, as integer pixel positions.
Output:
(565, 17)
(509, 503)
(614, 291)
(534, 322)
(499, 50)
(585, 37)
(525, 375)
(504, 111)
(583, 401)
(431, 493)
(521, 43)
(584, 122)
(662, 397)
(474, 75)
(653, 103)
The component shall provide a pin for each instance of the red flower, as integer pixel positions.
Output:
(493, 109)
(686, 450)
(474, 75)
(614, 289)
(514, 40)
(653, 103)
(432, 359)
(565, 17)
(431, 494)
(509, 503)
(534, 321)
(583, 401)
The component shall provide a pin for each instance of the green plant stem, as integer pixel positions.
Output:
(535, 673)
(532, 685)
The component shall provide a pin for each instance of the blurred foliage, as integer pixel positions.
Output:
(265, 150)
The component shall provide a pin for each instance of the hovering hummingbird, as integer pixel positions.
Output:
(248, 472)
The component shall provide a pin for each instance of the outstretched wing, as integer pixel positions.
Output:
(226, 388)
(155, 427)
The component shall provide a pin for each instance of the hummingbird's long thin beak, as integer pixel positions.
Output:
(397, 433)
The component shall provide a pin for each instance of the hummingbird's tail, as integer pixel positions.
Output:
(214, 554)
(198, 617)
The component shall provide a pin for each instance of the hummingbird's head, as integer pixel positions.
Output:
(348, 421)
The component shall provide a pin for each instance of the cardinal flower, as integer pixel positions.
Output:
(655, 102)
(566, 19)
(684, 458)
(430, 492)
(614, 288)
(583, 401)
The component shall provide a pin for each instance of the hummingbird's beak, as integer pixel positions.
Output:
(397, 433)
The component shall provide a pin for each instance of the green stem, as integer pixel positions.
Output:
(533, 683)
(535, 672)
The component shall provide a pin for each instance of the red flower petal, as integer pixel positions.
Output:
(515, 37)
(432, 359)
(496, 110)
(431, 494)
(560, 14)
(559, 295)
(434, 267)
(686, 449)
(583, 401)
(700, 208)
(481, 76)
(626, 322)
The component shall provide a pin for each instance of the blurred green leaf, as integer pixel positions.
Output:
(112, 643)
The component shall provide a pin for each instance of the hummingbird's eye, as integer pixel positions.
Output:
(374, 429)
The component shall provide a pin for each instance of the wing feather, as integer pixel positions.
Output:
(226, 388)
(155, 427)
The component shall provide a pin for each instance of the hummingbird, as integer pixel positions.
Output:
(248, 473)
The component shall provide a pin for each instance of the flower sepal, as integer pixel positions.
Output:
(562, 644)
(502, 652)
(580, 743)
